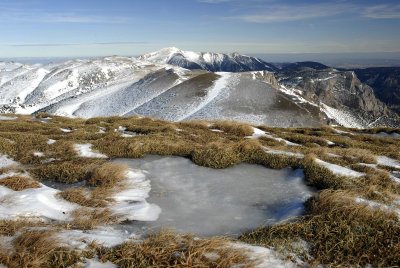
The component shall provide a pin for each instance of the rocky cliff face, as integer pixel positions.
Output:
(338, 89)
(385, 82)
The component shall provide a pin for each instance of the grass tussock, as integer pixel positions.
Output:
(38, 249)
(70, 171)
(84, 197)
(19, 183)
(89, 218)
(340, 233)
(234, 128)
(321, 177)
(168, 249)
(216, 155)
(108, 175)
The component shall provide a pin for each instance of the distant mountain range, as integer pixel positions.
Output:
(180, 85)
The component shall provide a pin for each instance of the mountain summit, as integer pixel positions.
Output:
(213, 62)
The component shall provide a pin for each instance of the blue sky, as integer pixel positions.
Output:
(61, 28)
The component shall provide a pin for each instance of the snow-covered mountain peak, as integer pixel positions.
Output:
(210, 61)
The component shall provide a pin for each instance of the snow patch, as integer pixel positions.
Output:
(387, 161)
(264, 257)
(339, 170)
(51, 141)
(40, 203)
(84, 150)
(5, 161)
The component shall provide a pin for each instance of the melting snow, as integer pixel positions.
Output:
(264, 257)
(84, 150)
(34, 203)
(271, 151)
(95, 263)
(38, 154)
(51, 141)
(260, 133)
(131, 202)
(387, 161)
(65, 130)
(7, 118)
(5, 161)
(339, 170)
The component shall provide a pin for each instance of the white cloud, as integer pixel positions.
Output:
(382, 12)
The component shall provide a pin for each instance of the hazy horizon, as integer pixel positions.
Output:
(45, 28)
(331, 59)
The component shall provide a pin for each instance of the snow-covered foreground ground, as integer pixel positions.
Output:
(218, 202)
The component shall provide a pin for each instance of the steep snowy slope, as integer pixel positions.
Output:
(214, 62)
(28, 89)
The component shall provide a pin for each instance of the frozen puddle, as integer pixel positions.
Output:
(207, 201)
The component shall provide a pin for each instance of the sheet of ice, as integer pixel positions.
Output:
(215, 202)
(85, 150)
(264, 257)
(339, 170)
(5, 161)
(34, 203)
(387, 161)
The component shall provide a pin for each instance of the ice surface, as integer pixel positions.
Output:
(215, 202)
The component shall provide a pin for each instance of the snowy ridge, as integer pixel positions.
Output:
(215, 62)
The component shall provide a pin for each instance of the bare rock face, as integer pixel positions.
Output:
(337, 89)
(385, 82)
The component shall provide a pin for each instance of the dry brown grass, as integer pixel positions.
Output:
(216, 155)
(108, 175)
(340, 232)
(234, 128)
(38, 249)
(89, 218)
(84, 197)
(69, 171)
(11, 227)
(168, 249)
(19, 183)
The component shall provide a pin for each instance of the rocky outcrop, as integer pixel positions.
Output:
(385, 82)
(338, 89)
